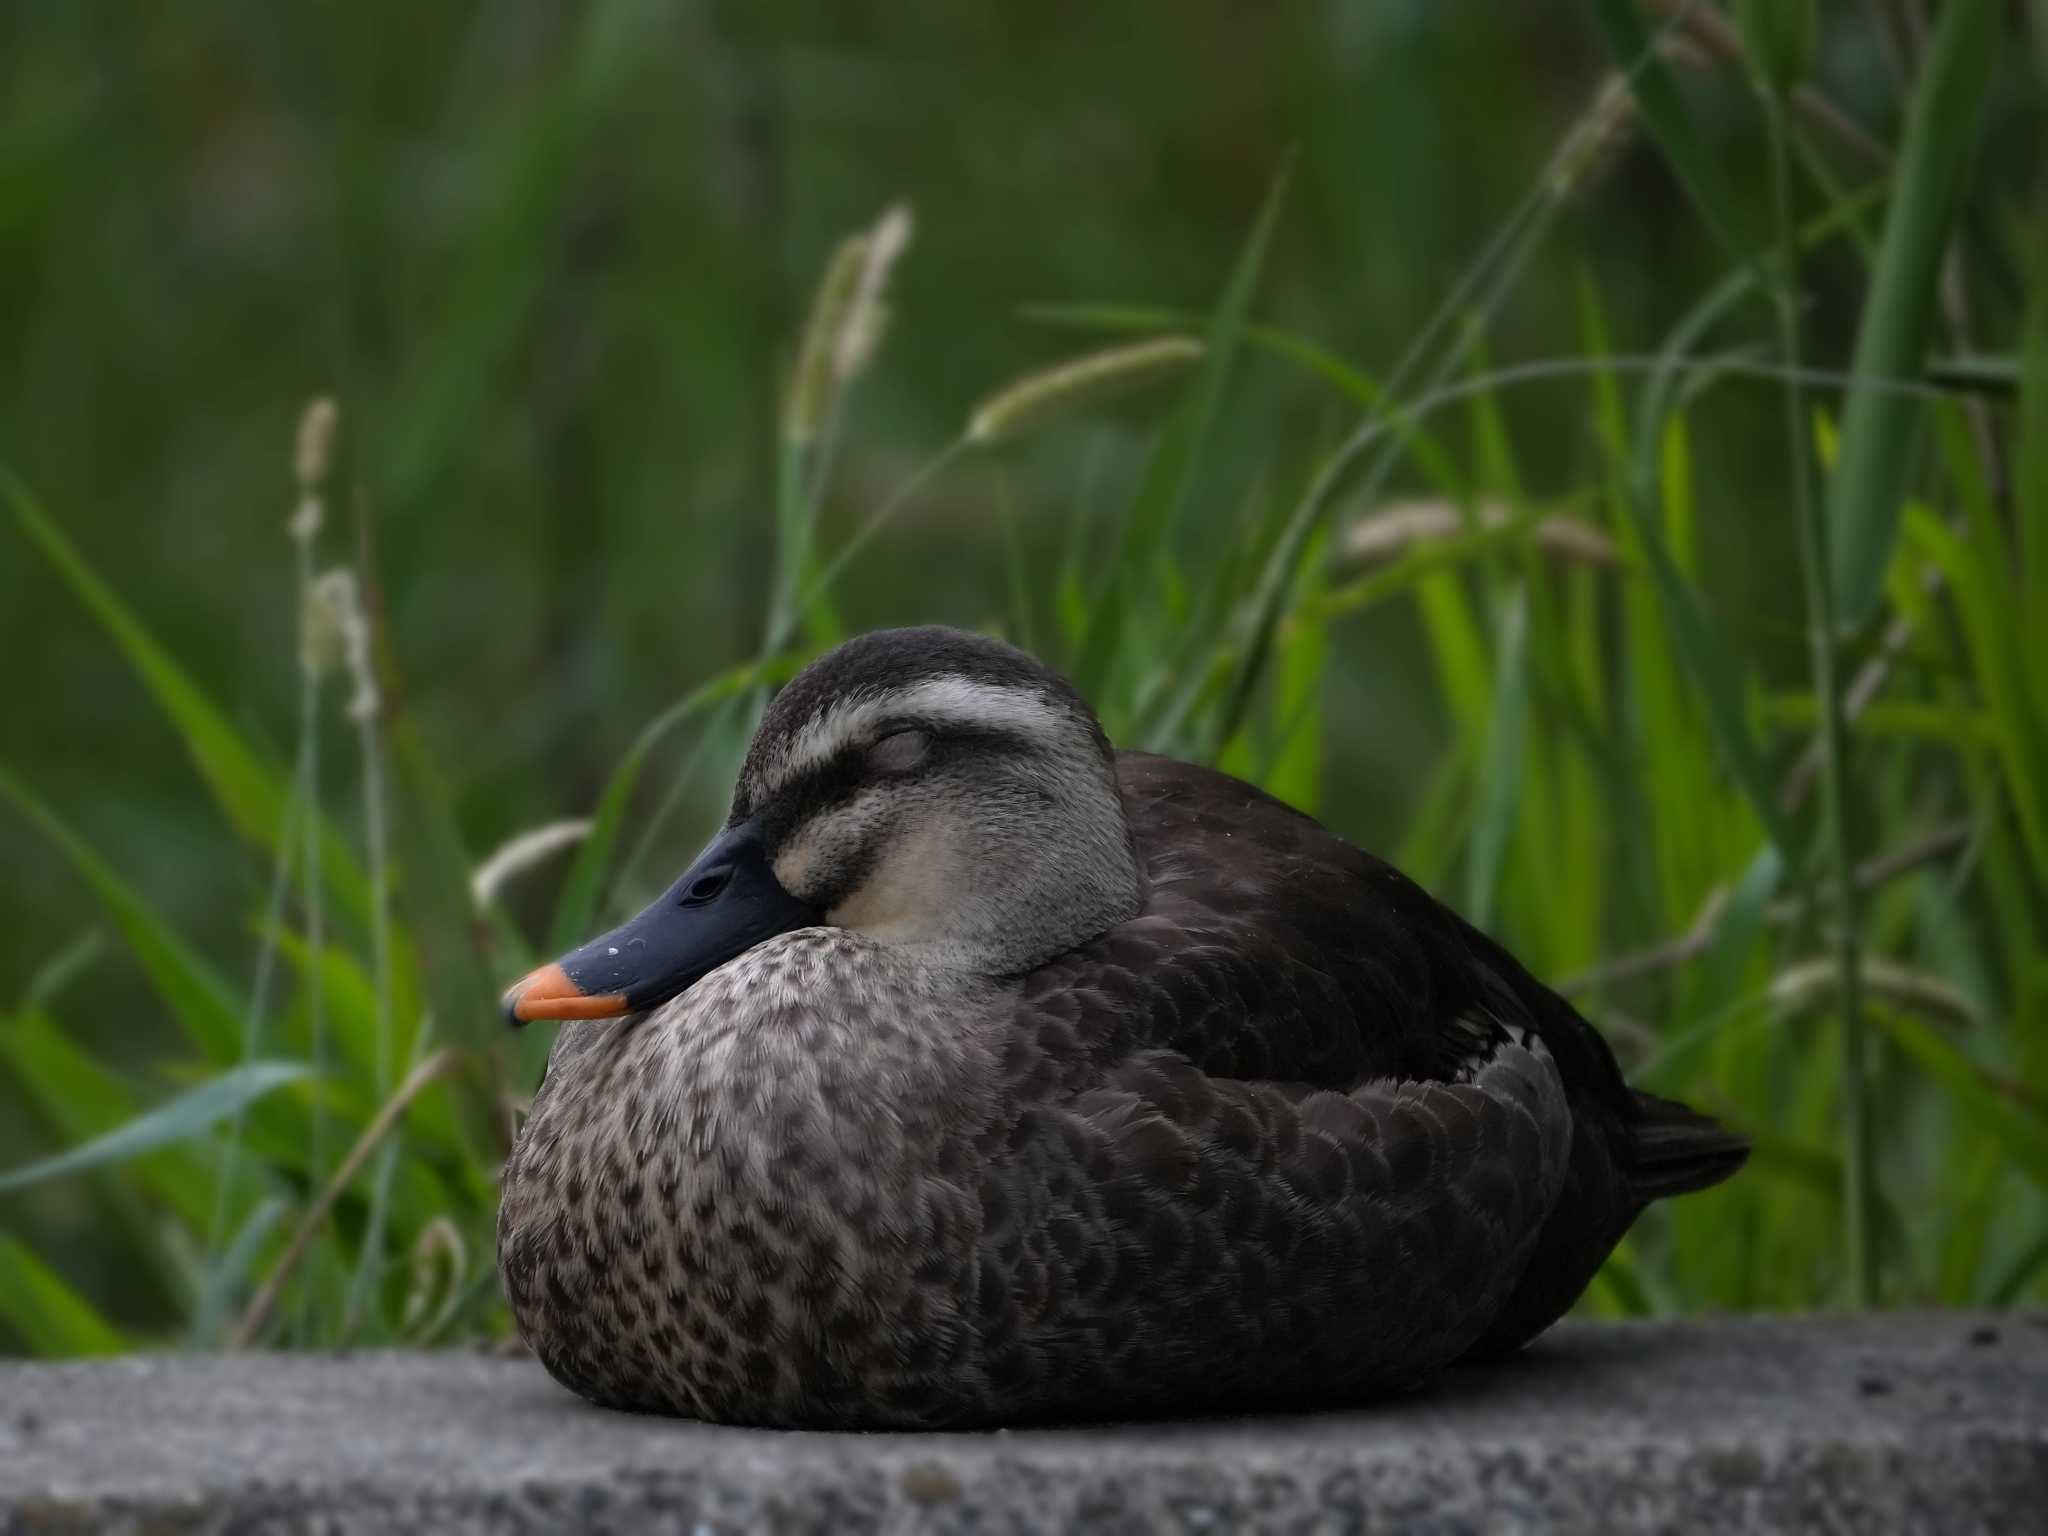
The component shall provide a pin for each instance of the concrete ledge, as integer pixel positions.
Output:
(1932, 1423)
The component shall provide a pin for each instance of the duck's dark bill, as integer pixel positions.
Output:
(725, 904)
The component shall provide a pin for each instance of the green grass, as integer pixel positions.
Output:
(1795, 862)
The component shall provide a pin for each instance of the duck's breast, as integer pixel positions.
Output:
(741, 1205)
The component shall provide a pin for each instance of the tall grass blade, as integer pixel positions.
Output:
(51, 1317)
(79, 1099)
(1171, 475)
(2023, 1136)
(1993, 629)
(1635, 54)
(2011, 1285)
(1870, 480)
(1294, 768)
(1859, 1159)
(1016, 568)
(250, 794)
(441, 922)
(1697, 640)
(350, 997)
(1714, 984)
(1501, 763)
(388, 1116)
(63, 968)
(195, 1110)
(201, 1001)
(360, 1311)
(228, 1277)
(2030, 489)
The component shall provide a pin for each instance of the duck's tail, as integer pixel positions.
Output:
(1676, 1150)
(1663, 1149)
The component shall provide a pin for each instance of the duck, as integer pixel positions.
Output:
(978, 1073)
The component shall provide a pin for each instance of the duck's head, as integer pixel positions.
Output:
(931, 789)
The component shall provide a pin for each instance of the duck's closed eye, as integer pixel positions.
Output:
(899, 751)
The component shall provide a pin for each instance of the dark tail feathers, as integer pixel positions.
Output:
(1678, 1150)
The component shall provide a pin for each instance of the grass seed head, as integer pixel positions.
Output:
(1401, 527)
(313, 455)
(1597, 141)
(338, 631)
(519, 854)
(1048, 393)
(849, 312)
(813, 384)
(312, 460)
(867, 313)
(320, 641)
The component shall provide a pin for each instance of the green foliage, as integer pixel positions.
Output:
(245, 790)
(1170, 475)
(1870, 485)
(1780, 37)
(1613, 737)
(49, 1315)
(1623, 30)
(182, 1118)
(195, 995)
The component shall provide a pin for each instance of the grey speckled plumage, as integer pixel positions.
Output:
(1280, 1130)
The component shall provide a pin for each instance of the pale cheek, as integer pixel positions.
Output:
(794, 866)
(908, 895)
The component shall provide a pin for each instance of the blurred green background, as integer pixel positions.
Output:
(554, 260)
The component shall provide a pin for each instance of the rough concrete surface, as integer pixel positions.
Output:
(1929, 1423)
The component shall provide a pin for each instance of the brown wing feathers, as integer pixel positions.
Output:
(1272, 953)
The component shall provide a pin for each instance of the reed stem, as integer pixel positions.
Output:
(1859, 1231)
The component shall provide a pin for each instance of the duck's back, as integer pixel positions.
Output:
(1296, 1130)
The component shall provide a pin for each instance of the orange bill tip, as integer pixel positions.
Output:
(548, 993)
